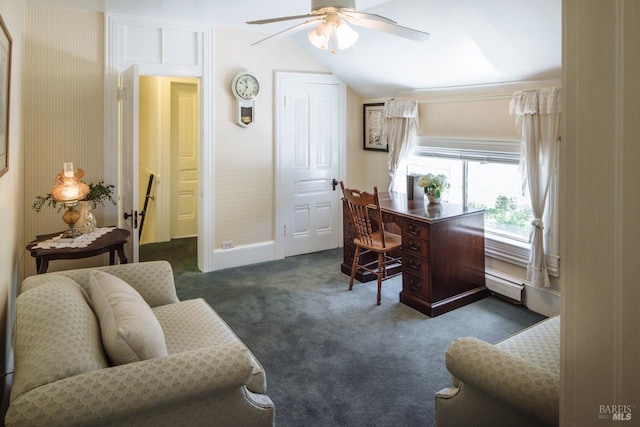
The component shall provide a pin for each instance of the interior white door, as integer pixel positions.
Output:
(128, 215)
(310, 159)
(184, 159)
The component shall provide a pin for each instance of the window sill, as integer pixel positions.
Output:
(516, 253)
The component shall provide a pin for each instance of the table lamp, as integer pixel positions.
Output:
(69, 190)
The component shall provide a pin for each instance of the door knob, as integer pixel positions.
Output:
(334, 183)
(134, 218)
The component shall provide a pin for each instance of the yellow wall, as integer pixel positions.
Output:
(150, 146)
(11, 184)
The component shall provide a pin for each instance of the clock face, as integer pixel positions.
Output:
(247, 86)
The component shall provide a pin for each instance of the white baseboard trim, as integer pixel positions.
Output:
(542, 300)
(244, 255)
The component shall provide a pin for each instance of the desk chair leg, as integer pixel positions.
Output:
(354, 266)
(381, 268)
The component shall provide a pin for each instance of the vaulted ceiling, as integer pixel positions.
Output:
(472, 42)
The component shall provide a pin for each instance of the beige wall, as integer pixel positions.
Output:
(63, 104)
(483, 117)
(11, 185)
(600, 287)
(356, 166)
(244, 157)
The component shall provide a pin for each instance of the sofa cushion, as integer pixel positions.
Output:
(130, 331)
(56, 335)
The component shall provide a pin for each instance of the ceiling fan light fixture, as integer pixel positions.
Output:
(319, 36)
(345, 36)
(335, 32)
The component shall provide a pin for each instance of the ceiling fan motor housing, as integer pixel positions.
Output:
(317, 6)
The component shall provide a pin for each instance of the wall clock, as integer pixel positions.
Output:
(245, 87)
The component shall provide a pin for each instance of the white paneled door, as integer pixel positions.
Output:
(310, 150)
(128, 215)
(184, 159)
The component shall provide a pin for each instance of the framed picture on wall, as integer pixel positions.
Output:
(5, 81)
(373, 120)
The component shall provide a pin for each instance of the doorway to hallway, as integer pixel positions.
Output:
(168, 172)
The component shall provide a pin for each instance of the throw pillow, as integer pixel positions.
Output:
(130, 331)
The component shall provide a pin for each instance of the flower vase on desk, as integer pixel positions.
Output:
(87, 221)
(432, 198)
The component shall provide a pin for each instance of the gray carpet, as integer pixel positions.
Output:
(332, 357)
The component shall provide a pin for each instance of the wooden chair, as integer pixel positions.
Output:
(364, 211)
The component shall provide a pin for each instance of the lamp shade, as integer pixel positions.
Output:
(69, 187)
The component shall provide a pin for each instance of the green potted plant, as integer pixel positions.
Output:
(434, 186)
(98, 194)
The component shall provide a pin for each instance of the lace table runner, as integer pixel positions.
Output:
(80, 242)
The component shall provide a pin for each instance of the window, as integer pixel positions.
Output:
(485, 174)
(496, 188)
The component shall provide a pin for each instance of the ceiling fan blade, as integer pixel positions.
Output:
(363, 15)
(290, 30)
(395, 29)
(284, 18)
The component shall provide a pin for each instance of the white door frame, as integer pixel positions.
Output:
(128, 196)
(282, 78)
(119, 56)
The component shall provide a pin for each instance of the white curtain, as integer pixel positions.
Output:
(538, 119)
(399, 130)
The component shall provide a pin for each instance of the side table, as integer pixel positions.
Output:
(111, 242)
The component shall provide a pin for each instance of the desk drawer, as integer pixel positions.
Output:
(415, 230)
(415, 245)
(416, 285)
(415, 264)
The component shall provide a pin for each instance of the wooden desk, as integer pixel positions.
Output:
(111, 242)
(442, 252)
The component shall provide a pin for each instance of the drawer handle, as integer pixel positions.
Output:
(414, 286)
(413, 229)
(414, 246)
(412, 264)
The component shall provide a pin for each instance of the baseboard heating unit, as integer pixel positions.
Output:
(504, 286)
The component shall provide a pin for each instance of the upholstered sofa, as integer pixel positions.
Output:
(513, 383)
(64, 375)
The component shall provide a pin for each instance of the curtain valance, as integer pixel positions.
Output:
(540, 101)
(401, 109)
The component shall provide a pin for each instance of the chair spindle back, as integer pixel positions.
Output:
(364, 208)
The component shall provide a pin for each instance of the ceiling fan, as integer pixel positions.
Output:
(331, 19)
